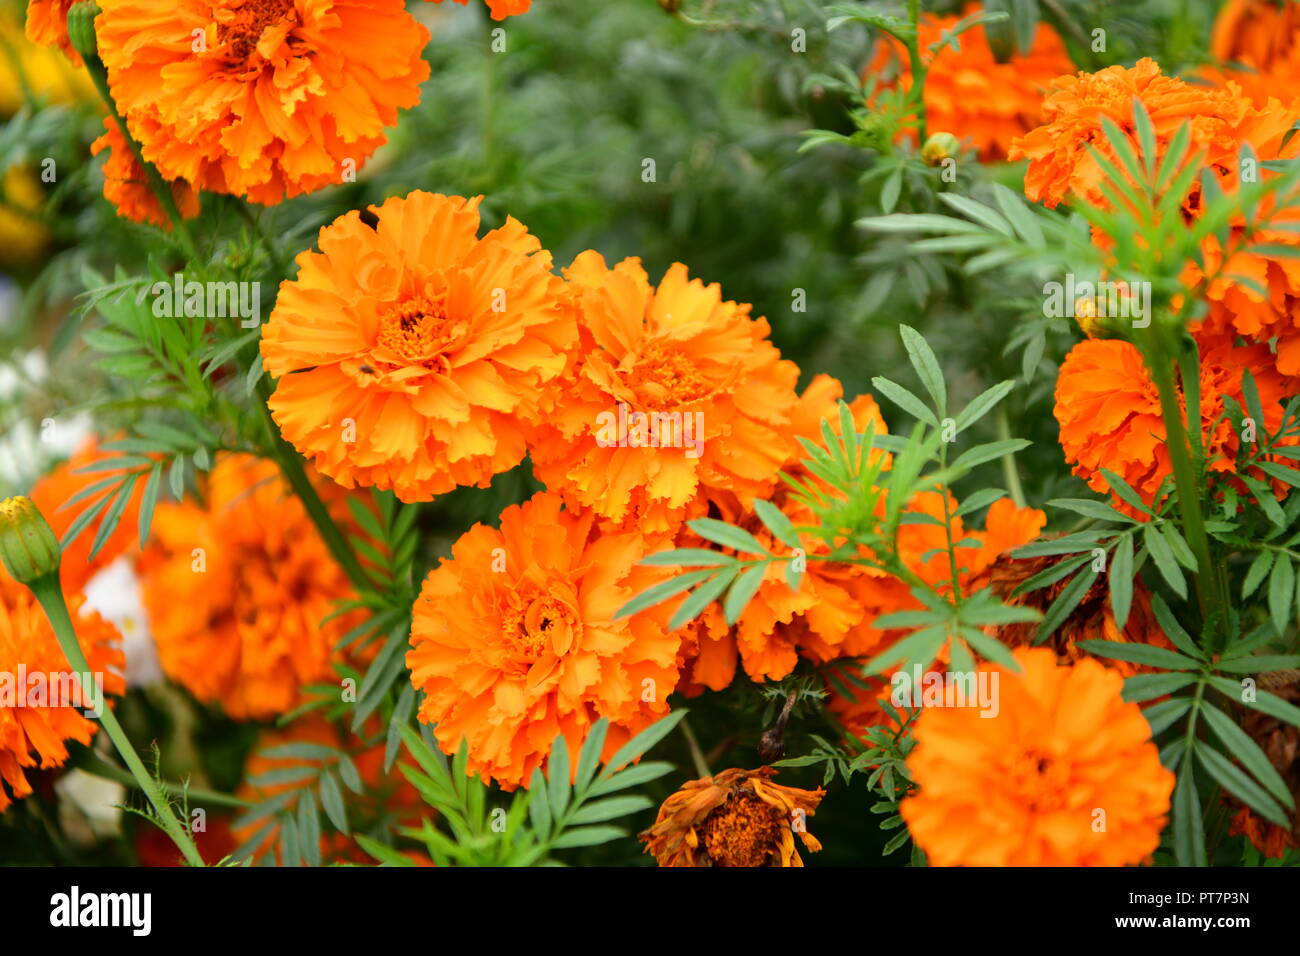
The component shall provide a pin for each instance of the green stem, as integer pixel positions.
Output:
(697, 754)
(99, 76)
(50, 596)
(291, 467)
(1009, 471)
(918, 69)
(272, 250)
(108, 771)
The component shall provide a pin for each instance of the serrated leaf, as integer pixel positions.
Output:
(1189, 832)
(587, 836)
(1233, 779)
(727, 535)
(1121, 580)
(1164, 559)
(927, 366)
(905, 400)
(1241, 746)
(610, 808)
(642, 742)
(1281, 589)
(1146, 654)
(742, 592)
(776, 521)
(331, 799)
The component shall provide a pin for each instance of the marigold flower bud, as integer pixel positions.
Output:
(939, 147)
(81, 28)
(28, 547)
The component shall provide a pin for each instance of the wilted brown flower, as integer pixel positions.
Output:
(1091, 620)
(1280, 742)
(734, 818)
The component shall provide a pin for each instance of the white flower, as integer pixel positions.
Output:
(116, 594)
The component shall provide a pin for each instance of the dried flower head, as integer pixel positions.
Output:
(734, 818)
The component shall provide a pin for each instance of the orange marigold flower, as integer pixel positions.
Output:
(1059, 161)
(47, 24)
(52, 494)
(1260, 86)
(39, 717)
(1280, 742)
(126, 187)
(261, 98)
(1025, 787)
(1092, 619)
(411, 356)
(1255, 33)
(967, 91)
(675, 391)
(238, 590)
(1269, 307)
(500, 9)
(830, 614)
(1220, 119)
(1108, 409)
(734, 818)
(515, 640)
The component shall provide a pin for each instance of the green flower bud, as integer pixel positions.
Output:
(939, 147)
(28, 547)
(81, 28)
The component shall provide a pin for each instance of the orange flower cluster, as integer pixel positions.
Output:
(1064, 774)
(514, 638)
(967, 91)
(39, 711)
(238, 590)
(265, 99)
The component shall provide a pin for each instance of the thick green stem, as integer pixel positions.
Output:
(50, 595)
(1210, 594)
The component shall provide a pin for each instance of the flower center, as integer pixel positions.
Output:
(744, 831)
(414, 330)
(241, 24)
(664, 378)
(545, 624)
(1041, 778)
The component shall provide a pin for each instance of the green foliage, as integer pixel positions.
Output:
(564, 808)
